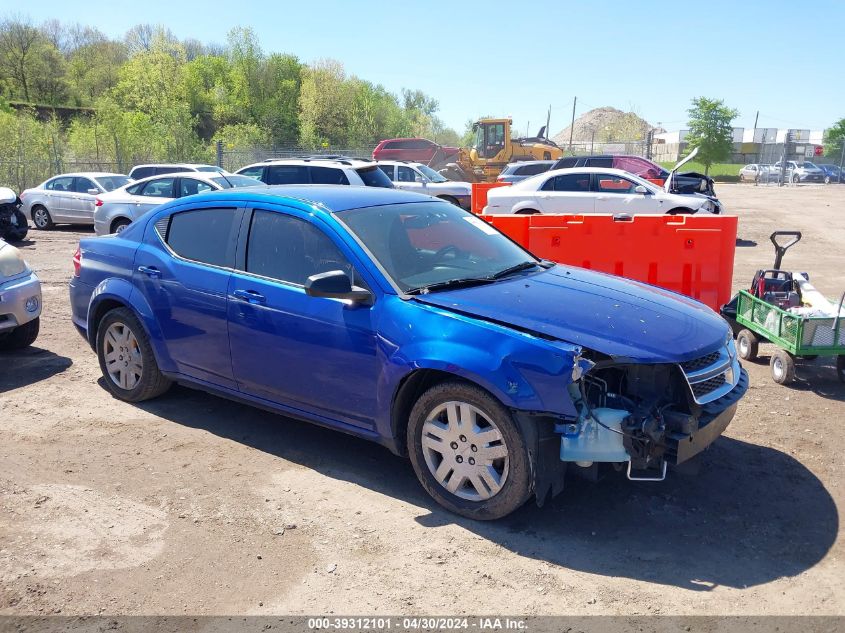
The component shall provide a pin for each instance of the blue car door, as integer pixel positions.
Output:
(313, 354)
(183, 269)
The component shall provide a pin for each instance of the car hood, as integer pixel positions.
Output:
(618, 317)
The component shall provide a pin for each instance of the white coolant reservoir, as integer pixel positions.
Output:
(7, 196)
(596, 442)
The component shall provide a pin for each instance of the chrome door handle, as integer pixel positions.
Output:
(250, 296)
(150, 271)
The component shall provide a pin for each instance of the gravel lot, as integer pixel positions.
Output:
(193, 504)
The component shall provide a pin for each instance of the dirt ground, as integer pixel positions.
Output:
(194, 504)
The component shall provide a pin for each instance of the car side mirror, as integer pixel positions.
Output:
(335, 284)
(93, 192)
(640, 189)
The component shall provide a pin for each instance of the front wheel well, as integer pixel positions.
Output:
(407, 394)
(680, 211)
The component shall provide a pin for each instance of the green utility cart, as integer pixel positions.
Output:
(795, 336)
(761, 315)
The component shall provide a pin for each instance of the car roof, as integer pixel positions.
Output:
(87, 174)
(339, 162)
(412, 163)
(176, 165)
(196, 175)
(333, 198)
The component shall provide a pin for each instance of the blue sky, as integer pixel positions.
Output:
(784, 59)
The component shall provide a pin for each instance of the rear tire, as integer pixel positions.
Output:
(796, 179)
(782, 366)
(840, 367)
(22, 336)
(119, 224)
(41, 218)
(459, 436)
(747, 345)
(126, 358)
(16, 233)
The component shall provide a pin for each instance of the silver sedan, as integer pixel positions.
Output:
(68, 198)
(116, 210)
(423, 179)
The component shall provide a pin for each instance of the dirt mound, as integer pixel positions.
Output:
(608, 124)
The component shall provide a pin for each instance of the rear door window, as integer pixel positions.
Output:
(374, 177)
(406, 174)
(82, 185)
(568, 182)
(141, 172)
(159, 188)
(204, 235)
(388, 171)
(328, 176)
(532, 170)
(287, 175)
(63, 183)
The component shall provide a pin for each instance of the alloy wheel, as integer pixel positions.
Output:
(465, 451)
(41, 218)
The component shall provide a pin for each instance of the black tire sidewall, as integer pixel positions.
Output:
(517, 487)
(149, 367)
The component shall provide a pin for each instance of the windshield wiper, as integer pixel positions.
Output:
(514, 269)
(449, 284)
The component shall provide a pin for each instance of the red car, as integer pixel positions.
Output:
(419, 150)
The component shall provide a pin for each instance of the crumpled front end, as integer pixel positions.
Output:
(647, 416)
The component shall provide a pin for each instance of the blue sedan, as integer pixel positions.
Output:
(400, 318)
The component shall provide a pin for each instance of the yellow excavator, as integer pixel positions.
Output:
(494, 148)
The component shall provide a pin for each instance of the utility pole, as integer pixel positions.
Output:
(786, 140)
(572, 124)
(754, 138)
(548, 120)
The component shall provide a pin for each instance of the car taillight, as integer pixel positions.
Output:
(77, 261)
(98, 202)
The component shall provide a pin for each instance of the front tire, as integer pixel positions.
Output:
(527, 212)
(468, 452)
(840, 367)
(796, 179)
(42, 219)
(126, 358)
(22, 336)
(680, 211)
(782, 365)
(16, 232)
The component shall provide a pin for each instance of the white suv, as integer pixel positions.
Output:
(318, 170)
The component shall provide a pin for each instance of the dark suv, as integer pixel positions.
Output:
(691, 182)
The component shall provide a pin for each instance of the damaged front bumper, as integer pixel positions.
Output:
(651, 416)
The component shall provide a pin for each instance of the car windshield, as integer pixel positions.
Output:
(424, 246)
(432, 175)
(110, 183)
(374, 177)
(227, 182)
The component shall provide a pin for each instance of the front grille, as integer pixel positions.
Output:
(701, 363)
(700, 389)
(713, 375)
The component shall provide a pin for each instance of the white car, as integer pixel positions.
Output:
(117, 209)
(593, 190)
(20, 300)
(67, 198)
(423, 179)
(318, 170)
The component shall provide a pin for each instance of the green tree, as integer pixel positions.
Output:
(710, 130)
(834, 138)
